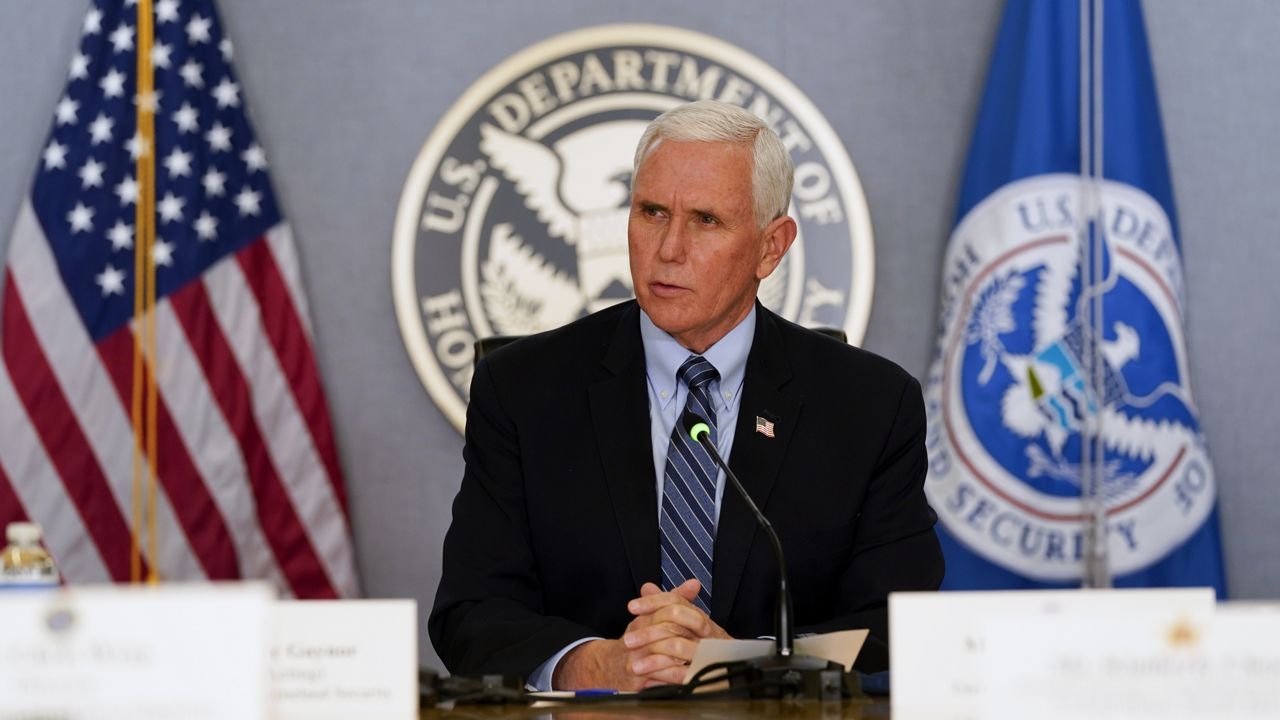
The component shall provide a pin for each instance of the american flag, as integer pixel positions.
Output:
(764, 427)
(248, 474)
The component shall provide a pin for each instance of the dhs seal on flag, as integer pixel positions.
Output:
(514, 217)
(1008, 396)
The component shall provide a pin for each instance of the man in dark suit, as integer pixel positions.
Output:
(590, 545)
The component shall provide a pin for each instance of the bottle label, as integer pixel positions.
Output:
(28, 576)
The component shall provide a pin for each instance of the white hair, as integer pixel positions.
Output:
(772, 172)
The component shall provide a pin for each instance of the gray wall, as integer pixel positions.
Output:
(344, 94)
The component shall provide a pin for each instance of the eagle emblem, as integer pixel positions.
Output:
(1044, 382)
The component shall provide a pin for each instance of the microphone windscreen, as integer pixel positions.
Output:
(694, 425)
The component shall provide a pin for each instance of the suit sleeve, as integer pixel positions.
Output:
(895, 547)
(488, 615)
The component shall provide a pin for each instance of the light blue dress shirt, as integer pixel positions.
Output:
(663, 356)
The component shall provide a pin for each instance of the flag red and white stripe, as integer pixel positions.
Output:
(250, 486)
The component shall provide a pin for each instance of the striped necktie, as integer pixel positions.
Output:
(688, 519)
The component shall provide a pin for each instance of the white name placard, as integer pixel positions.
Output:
(344, 659)
(1109, 667)
(135, 653)
(937, 641)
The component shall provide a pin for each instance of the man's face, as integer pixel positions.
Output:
(697, 256)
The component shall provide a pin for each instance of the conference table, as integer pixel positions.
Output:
(720, 709)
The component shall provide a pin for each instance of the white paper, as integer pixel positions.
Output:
(344, 659)
(937, 640)
(842, 647)
(195, 652)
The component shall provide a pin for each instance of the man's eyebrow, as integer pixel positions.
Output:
(702, 211)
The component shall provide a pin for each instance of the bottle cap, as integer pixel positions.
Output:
(22, 533)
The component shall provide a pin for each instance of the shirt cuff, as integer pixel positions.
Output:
(540, 679)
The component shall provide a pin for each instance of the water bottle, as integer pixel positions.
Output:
(24, 563)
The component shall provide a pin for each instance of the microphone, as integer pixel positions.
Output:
(784, 633)
(783, 674)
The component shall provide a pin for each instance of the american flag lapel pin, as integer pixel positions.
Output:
(764, 427)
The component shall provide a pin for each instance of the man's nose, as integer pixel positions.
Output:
(671, 246)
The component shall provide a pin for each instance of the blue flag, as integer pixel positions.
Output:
(1060, 356)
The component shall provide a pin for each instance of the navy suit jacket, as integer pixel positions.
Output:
(555, 526)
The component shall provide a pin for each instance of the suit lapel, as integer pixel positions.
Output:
(756, 459)
(620, 416)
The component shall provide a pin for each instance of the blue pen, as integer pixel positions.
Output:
(593, 692)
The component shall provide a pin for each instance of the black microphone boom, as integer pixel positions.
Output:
(783, 674)
(784, 633)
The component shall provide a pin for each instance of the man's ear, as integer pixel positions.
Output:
(778, 236)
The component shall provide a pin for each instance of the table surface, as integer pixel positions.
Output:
(720, 709)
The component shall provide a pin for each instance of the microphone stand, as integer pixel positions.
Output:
(783, 674)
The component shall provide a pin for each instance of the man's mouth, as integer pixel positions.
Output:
(662, 289)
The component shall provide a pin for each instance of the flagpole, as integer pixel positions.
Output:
(1096, 572)
(139, 303)
(144, 395)
(146, 34)
(1102, 546)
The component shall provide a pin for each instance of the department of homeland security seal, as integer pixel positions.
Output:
(514, 217)
(1008, 396)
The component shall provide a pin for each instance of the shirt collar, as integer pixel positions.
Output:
(663, 357)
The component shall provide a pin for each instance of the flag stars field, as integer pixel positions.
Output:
(80, 218)
(167, 11)
(55, 156)
(66, 111)
(160, 56)
(218, 137)
(122, 38)
(206, 226)
(91, 174)
(248, 202)
(178, 163)
(127, 191)
(214, 183)
(100, 129)
(227, 94)
(192, 74)
(112, 84)
(92, 22)
(111, 281)
(170, 208)
(121, 236)
(79, 67)
(254, 158)
(186, 118)
(162, 253)
(198, 29)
